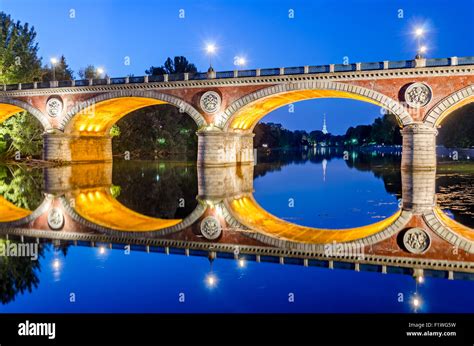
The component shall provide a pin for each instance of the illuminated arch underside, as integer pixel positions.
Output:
(249, 213)
(98, 119)
(453, 108)
(247, 117)
(10, 212)
(6, 111)
(454, 226)
(98, 206)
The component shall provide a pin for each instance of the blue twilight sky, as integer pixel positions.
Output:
(105, 32)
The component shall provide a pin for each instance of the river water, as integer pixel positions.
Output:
(323, 188)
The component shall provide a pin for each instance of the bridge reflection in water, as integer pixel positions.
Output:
(80, 207)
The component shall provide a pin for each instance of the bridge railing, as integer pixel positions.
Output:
(334, 68)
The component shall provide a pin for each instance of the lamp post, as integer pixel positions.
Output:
(240, 61)
(419, 32)
(422, 51)
(210, 50)
(54, 61)
(99, 72)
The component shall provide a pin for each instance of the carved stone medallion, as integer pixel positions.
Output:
(210, 102)
(211, 228)
(54, 107)
(55, 219)
(418, 95)
(416, 240)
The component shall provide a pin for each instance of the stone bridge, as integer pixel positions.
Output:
(77, 115)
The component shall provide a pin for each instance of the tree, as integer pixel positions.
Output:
(457, 130)
(90, 72)
(17, 274)
(155, 131)
(385, 130)
(19, 61)
(359, 135)
(62, 71)
(178, 65)
(23, 133)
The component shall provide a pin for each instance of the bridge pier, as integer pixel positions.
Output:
(418, 190)
(217, 183)
(418, 168)
(73, 148)
(219, 149)
(63, 179)
(419, 147)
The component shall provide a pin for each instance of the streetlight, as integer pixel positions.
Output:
(210, 50)
(240, 61)
(100, 71)
(54, 61)
(419, 32)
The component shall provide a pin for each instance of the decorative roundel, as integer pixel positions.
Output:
(416, 240)
(55, 219)
(211, 228)
(210, 102)
(418, 95)
(54, 106)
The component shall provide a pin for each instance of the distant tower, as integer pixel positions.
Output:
(325, 130)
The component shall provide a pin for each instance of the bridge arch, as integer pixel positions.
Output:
(10, 107)
(450, 230)
(11, 215)
(245, 113)
(98, 114)
(106, 218)
(449, 104)
(267, 228)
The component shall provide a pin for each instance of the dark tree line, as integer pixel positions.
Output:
(457, 130)
(156, 132)
(384, 130)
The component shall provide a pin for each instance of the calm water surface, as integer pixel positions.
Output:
(312, 188)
